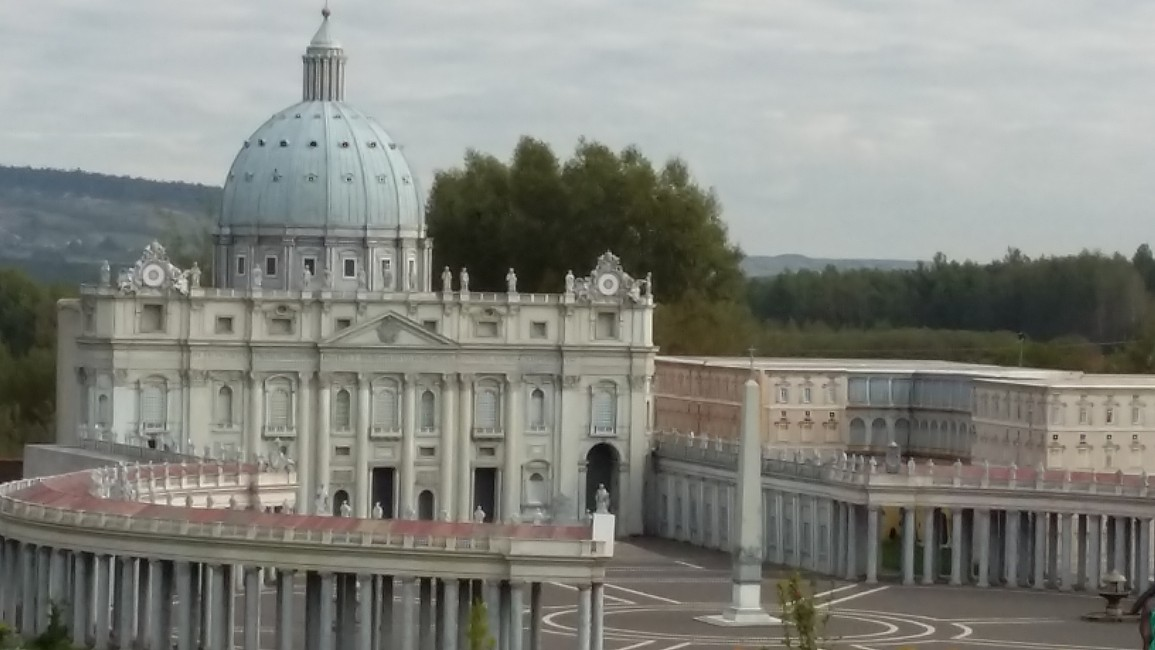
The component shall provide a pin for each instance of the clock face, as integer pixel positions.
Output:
(608, 284)
(152, 275)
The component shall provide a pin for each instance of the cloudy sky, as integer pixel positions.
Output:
(859, 128)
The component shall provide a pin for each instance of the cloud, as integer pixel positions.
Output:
(831, 128)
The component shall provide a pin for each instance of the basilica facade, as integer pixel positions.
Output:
(329, 341)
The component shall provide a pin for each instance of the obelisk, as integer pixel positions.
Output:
(745, 608)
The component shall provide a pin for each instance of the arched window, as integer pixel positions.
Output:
(385, 407)
(103, 412)
(536, 492)
(341, 407)
(152, 405)
(224, 412)
(604, 409)
(280, 403)
(537, 410)
(487, 415)
(428, 411)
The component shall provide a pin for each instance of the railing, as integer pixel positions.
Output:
(842, 468)
(143, 453)
(432, 297)
(153, 482)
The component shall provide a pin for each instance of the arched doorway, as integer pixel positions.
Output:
(425, 505)
(339, 499)
(602, 469)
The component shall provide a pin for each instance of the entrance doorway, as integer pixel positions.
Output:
(383, 490)
(602, 469)
(425, 506)
(485, 490)
(340, 498)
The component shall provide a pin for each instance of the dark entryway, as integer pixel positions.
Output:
(602, 469)
(425, 505)
(383, 487)
(485, 490)
(339, 499)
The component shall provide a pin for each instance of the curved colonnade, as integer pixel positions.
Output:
(956, 524)
(129, 569)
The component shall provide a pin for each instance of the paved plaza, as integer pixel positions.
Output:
(656, 589)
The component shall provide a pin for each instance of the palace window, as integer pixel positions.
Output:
(242, 265)
(103, 412)
(806, 395)
(280, 404)
(428, 411)
(604, 408)
(486, 411)
(606, 325)
(341, 410)
(1136, 415)
(271, 266)
(225, 407)
(152, 405)
(1084, 416)
(385, 411)
(537, 410)
(349, 267)
(783, 394)
(1110, 415)
(387, 273)
(310, 264)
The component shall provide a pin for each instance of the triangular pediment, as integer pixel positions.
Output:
(389, 330)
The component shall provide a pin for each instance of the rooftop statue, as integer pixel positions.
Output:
(602, 499)
(447, 280)
(511, 281)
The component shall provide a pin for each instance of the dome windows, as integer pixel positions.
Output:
(247, 143)
(348, 178)
(406, 180)
(372, 145)
(312, 144)
(345, 144)
(297, 116)
(284, 143)
(248, 177)
(392, 145)
(312, 178)
(261, 142)
(382, 178)
(277, 176)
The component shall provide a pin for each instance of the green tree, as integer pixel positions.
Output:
(477, 633)
(544, 217)
(56, 635)
(803, 624)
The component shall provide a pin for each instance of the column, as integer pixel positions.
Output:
(252, 622)
(535, 615)
(908, 535)
(983, 519)
(103, 609)
(1011, 549)
(871, 544)
(464, 607)
(585, 602)
(504, 616)
(321, 470)
(326, 618)
(387, 629)
(157, 633)
(1143, 555)
(425, 614)
(1093, 561)
(184, 595)
(81, 597)
(851, 538)
(256, 422)
(956, 546)
(284, 624)
(1068, 560)
(144, 578)
(361, 498)
(408, 613)
(450, 600)
(212, 603)
(465, 450)
(779, 532)
(304, 455)
(57, 575)
(597, 617)
(408, 477)
(512, 446)
(126, 607)
(346, 610)
(1040, 550)
(28, 580)
(446, 451)
(929, 546)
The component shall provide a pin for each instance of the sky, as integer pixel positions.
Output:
(862, 128)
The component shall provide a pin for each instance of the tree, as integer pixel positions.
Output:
(477, 634)
(55, 636)
(802, 622)
(545, 217)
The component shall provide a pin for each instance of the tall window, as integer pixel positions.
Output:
(536, 492)
(537, 410)
(103, 412)
(385, 407)
(428, 411)
(486, 415)
(604, 409)
(341, 408)
(349, 267)
(152, 406)
(224, 414)
(280, 403)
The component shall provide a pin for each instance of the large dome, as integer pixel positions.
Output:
(321, 163)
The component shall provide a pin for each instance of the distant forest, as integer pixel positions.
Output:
(76, 183)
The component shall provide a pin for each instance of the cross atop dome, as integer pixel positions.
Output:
(324, 64)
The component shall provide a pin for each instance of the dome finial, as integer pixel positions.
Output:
(325, 12)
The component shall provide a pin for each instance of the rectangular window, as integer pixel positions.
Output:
(311, 265)
(607, 325)
(427, 452)
(1110, 415)
(1083, 416)
(344, 451)
(344, 323)
(830, 416)
(783, 394)
(387, 273)
(806, 395)
(349, 267)
(411, 274)
(152, 318)
(487, 329)
(281, 326)
(537, 330)
(224, 325)
(242, 265)
(430, 325)
(271, 266)
(806, 416)
(1136, 415)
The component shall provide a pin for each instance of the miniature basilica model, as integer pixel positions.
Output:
(328, 344)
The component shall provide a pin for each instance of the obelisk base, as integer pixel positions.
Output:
(745, 610)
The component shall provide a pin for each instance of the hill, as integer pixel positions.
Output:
(756, 266)
(58, 225)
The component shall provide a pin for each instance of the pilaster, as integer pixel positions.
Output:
(512, 446)
(361, 505)
(465, 450)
